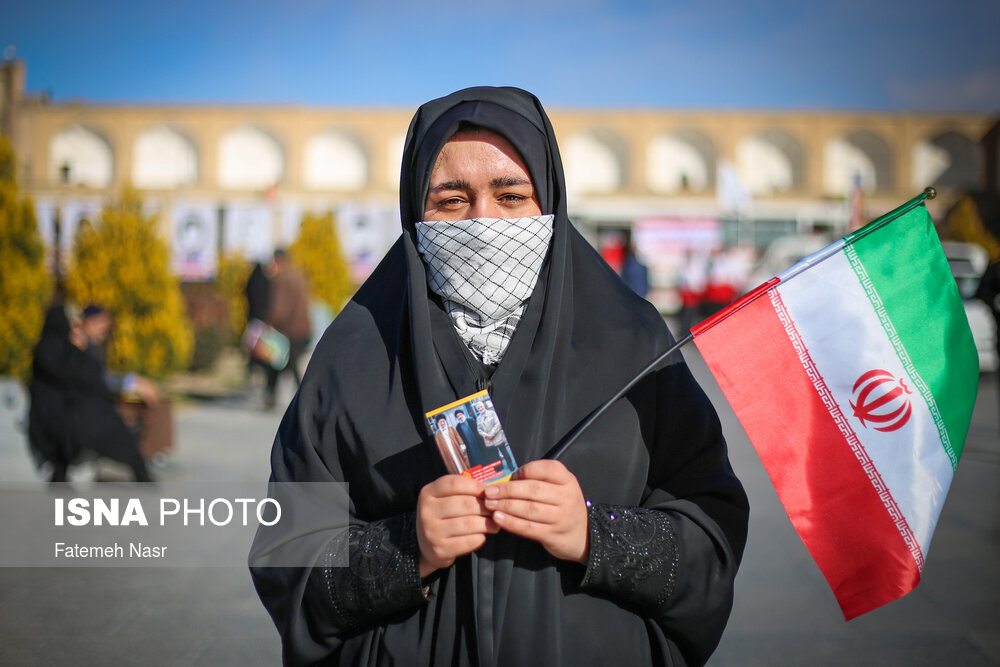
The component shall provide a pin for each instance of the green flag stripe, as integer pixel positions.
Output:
(911, 277)
(890, 331)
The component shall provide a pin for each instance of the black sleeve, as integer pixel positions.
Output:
(675, 557)
(381, 580)
(61, 363)
(315, 609)
(633, 554)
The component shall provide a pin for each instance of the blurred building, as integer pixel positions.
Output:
(238, 178)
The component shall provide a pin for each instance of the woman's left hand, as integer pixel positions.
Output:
(543, 502)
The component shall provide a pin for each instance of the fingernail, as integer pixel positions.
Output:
(492, 492)
(491, 502)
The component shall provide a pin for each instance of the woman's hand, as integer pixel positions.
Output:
(147, 390)
(543, 502)
(451, 521)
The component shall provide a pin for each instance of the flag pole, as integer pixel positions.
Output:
(571, 437)
(928, 193)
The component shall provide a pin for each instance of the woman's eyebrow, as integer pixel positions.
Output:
(450, 185)
(509, 181)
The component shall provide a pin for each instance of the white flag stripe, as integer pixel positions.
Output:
(847, 342)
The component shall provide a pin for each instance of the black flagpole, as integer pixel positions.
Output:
(571, 437)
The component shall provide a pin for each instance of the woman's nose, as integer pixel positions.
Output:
(485, 207)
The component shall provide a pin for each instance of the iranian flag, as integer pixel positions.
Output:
(854, 374)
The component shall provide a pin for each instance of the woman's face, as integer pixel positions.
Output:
(77, 336)
(479, 174)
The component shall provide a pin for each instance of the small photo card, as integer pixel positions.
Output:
(470, 439)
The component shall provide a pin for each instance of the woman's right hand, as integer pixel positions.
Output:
(451, 521)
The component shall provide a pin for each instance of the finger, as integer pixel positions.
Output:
(456, 506)
(520, 526)
(461, 546)
(465, 526)
(527, 489)
(526, 509)
(546, 470)
(454, 485)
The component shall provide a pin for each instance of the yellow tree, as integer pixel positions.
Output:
(317, 252)
(25, 286)
(123, 265)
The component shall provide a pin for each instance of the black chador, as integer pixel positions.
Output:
(667, 516)
(72, 412)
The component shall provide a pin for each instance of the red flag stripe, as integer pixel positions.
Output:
(827, 493)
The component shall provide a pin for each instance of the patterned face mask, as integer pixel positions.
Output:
(485, 269)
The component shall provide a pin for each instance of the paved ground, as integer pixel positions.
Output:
(784, 613)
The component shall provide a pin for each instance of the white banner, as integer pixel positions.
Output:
(71, 216)
(194, 241)
(45, 216)
(366, 232)
(291, 218)
(248, 230)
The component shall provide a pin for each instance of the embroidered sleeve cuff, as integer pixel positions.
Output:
(383, 576)
(633, 554)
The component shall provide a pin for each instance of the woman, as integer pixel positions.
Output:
(71, 410)
(623, 552)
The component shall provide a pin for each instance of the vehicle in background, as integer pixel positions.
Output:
(968, 262)
(782, 253)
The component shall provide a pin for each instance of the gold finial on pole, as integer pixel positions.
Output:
(930, 192)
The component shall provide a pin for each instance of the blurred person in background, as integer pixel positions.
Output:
(613, 248)
(694, 282)
(258, 296)
(288, 312)
(989, 292)
(96, 325)
(723, 282)
(72, 411)
(634, 272)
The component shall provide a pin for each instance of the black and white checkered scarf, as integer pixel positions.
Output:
(485, 269)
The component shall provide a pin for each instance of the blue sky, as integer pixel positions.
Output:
(772, 54)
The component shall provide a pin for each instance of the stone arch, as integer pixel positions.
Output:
(335, 160)
(249, 159)
(394, 158)
(80, 156)
(594, 161)
(163, 158)
(859, 153)
(681, 161)
(949, 159)
(770, 161)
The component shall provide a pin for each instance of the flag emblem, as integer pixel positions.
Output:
(881, 400)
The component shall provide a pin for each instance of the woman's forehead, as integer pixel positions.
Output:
(481, 148)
